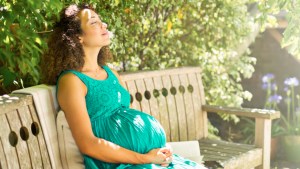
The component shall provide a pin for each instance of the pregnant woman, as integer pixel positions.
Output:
(106, 130)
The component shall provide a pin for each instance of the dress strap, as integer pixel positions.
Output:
(110, 73)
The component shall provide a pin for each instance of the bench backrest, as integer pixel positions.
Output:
(174, 97)
(28, 135)
(22, 141)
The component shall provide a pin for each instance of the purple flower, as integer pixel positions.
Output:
(265, 86)
(286, 89)
(275, 98)
(274, 86)
(292, 81)
(267, 77)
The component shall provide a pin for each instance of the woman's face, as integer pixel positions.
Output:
(95, 33)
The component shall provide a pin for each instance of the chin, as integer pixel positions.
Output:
(107, 44)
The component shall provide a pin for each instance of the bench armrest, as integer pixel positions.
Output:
(263, 123)
(246, 112)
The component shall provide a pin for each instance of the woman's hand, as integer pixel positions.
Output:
(162, 156)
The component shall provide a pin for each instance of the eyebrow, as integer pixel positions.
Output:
(94, 17)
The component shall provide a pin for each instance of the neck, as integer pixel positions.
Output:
(91, 59)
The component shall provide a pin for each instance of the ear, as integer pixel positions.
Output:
(80, 39)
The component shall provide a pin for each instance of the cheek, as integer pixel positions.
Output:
(92, 36)
(93, 33)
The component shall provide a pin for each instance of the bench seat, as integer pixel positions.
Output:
(230, 155)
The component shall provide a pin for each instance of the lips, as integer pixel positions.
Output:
(105, 33)
(108, 34)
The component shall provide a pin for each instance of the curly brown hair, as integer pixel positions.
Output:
(65, 51)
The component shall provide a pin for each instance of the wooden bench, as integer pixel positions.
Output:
(174, 96)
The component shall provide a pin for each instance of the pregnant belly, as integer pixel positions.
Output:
(131, 129)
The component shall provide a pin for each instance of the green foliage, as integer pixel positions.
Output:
(292, 32)
(187, 33)
(248, 129)
(141, 30)
(22, 26)
(148, 35)
(212, 31)
(291, 38)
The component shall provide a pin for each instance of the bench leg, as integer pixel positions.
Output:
(263, 140)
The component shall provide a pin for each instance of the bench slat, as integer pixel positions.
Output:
(171, 114)
(227, 151)
(154, 107)
(203, 121)
(3, 162)
(131, 85)
(181, 109)
(162, 105)
(189, 108)
(40, 137)
(140, 85)
(21, 147)
(230, 155)
(8, 156)
(32, 142)
(226, 143)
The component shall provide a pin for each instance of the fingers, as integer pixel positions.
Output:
(166, 151)
(162, 156)
(164, 165)
(168, 155)
(167, 161)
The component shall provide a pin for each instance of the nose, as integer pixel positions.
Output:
(104, 25)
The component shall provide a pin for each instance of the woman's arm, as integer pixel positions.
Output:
(71, 98)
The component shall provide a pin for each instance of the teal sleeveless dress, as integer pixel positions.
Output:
(111, 118)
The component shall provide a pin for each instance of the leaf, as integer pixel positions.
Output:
(8, 76)
(38, 40)
(117, 2)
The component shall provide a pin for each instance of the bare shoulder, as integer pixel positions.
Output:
(69, 80)
(68, 77)
(70, 85)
